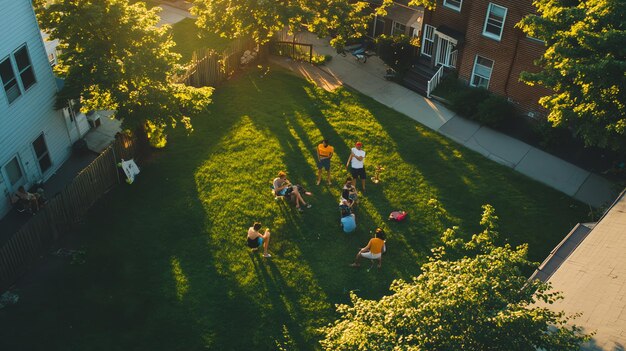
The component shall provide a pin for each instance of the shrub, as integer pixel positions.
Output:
(319, 60)
(396, 51)
(493, 110)
(465, 101)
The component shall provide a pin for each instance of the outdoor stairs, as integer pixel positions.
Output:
(417, 78)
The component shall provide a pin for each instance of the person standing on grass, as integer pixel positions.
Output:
(256, 239)
(356, 165)
(324, 154)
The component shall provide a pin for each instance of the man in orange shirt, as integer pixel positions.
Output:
(374, 249)
(324, 154)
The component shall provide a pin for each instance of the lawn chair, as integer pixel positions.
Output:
(20, 206)
(276, 196)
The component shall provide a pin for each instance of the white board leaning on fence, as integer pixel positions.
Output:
(130, 169)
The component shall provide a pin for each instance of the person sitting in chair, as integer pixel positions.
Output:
(30, 200)
(374, 249)
(282, 187)
(256, 239)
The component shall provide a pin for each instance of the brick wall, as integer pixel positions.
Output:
(512, 54)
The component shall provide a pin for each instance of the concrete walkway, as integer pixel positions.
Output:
(368, 78)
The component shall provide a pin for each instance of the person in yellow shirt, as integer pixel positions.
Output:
(374, 249)
(324, 154)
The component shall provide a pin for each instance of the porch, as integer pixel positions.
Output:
(97, 139)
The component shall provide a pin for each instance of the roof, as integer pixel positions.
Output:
(443, 29)
(592, 277)
(403, 14)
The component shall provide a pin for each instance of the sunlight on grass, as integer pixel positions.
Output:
(195, 285)
(182, 283)
(270, 283)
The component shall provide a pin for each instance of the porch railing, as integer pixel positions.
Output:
(434, 81)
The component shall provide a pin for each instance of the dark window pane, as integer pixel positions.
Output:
(6, 71)
(12, 90)
(28, 78)
(40, 146)
(45, 163)
(14, 171)
(21, 58)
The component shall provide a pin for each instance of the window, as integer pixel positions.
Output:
(24, 67)
(536, 39)
(14, 171)
(9, 81)
(429, 40)
(482, 72)
(494, 21)
(41, 150)
(453, 4)
(398, 28)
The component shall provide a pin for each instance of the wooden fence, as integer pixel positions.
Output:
(63, 211)
(293, 50)
(209, 67)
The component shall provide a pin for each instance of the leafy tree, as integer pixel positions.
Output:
(584, 64)
(114, 57)
(260, 19)
(472, 295)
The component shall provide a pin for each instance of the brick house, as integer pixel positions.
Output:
(478, 39)
(400, 19)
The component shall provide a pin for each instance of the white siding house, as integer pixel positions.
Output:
(34, 137)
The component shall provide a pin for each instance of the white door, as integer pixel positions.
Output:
(12, 176)
(444, 48)
(70, 123)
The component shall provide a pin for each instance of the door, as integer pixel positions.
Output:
(444, 48)
(12, 176)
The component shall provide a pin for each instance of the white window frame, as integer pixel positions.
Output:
(21, 180)
(13, 80)
(43, 155)
(30, 67)
(452, 6)
(393, 28)
(430, 40)
(493, 63)
(489, 34)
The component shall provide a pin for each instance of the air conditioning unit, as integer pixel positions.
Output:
(531, 114)
(94, 119)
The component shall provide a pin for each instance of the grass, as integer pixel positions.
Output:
(166, 267)
(187, 38)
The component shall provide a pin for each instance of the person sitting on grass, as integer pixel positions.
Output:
(282, 187)
(349, 192)
(30, 200)
(348, 220)
(373, 250)
(256, 239)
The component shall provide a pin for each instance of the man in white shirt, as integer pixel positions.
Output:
(355, 163)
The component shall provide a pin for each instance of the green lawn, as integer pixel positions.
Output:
(166, 267)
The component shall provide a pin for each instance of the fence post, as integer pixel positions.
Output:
(311, 54)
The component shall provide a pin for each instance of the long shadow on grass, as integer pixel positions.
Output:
(465, 180)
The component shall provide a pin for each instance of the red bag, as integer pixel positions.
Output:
(397, 216)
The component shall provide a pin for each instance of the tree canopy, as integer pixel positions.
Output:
(114, 57)
(472, 295)
(260, 19)
(585, 65)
